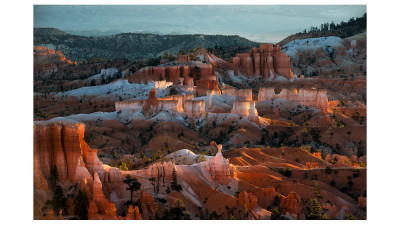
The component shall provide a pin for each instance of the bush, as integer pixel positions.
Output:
(287, 172)
(276, 214)
(122, 166)
(328, 170)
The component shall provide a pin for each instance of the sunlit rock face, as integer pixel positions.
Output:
(60, 145)
(219, 168)
(98, 195)
(308, 97)
(152, 105)
(207, 87)
(189, 75)
(265, 61)
(241, 94)
(194, 108)
(162, 84)
(147, 204)
(290, 204)
(47, 61)
(180, 98)
(247, 199)
(93, 212)
(133, 213)
(246, 109)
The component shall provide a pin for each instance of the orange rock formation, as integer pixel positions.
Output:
(47, 61)
(148, 206)
(201, 75)
(246, 109)
(291, 203)
(133, 213)
(265, 61)
(247, 199)
(219, 168)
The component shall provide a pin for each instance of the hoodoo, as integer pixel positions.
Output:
(219, 168)
(266, 61)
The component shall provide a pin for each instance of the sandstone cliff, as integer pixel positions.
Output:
(246, 109)
(266, 61)
(308, 97)
(46, 61)
(61, 145)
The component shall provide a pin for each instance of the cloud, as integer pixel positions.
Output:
(253, 21)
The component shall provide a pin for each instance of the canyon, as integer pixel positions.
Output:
(216, 179)
(248, 139)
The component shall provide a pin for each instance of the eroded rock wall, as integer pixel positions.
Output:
(194, 108)
(246, 109)
(264, 61)
(241, 94)
(308, 97)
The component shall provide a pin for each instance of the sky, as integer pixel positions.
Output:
(261, 23)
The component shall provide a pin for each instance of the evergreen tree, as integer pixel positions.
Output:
(81, 205)
(59, 201)
(133, 185)
(53, 177)
(177, 211)
(315, 210)
(174, 183)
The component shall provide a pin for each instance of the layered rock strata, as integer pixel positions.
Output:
(152, 104)
(266, 61)
(46, 61)
(61, 145)
(189, 75)
(247, 199)
(194, 108)
(290, 204)
(241, 94)
(308, 97)
(246, 109)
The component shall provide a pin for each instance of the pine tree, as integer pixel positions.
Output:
(81, 205)
(174, 183)
(133, 185)
(59, 201)
(53, 177)
(315, 210)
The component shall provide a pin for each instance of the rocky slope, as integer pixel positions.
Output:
(217, 187)
(47, 61)
(329, 56)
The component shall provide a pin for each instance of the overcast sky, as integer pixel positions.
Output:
(265, 23)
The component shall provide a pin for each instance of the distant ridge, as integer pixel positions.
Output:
(131, 45)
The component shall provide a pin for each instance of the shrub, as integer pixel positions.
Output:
(276, 214)
(328, 170)
(287, 172)
(122, 166)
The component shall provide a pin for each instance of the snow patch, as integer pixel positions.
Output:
(325, 43)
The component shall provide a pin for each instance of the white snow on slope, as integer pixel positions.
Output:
(324, 43)
(186, 157)
(119, 87)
